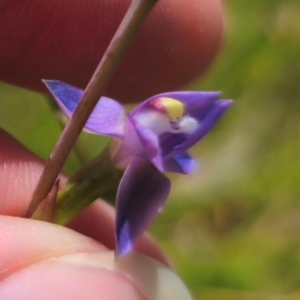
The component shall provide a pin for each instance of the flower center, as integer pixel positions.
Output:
(167, 115)
(173, 108)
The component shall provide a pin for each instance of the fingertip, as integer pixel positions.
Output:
(94, 275)
(63, 278)
(98, 222)
(25, 242)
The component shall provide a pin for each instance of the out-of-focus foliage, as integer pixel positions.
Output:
(232, 229)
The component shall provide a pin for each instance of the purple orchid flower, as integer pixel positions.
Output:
(152, 139)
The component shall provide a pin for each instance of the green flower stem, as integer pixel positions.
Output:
(133, 19)
(46, 210)
(99, 178)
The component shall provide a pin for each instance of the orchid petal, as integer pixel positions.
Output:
(150, 143)
(106, 119)
(206, 124)
(139, 141)
(142, 194)
(170, 141)
(182, 164)
(203, 107)
(131, 145)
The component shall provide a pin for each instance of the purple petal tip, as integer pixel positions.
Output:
(124, 244)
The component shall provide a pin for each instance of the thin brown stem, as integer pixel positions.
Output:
(136, 14)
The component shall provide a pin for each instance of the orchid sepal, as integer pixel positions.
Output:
(68, 97)
(142, 194)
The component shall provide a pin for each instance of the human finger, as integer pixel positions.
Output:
(20, 170)
(55, 40)
(95, 276)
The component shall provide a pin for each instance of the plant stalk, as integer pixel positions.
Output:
(98, 178)
(132, 21)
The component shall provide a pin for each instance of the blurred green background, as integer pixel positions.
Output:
(233, 228)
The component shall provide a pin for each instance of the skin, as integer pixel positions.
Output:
(55, 40)
(176, 44)
(26, 243)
